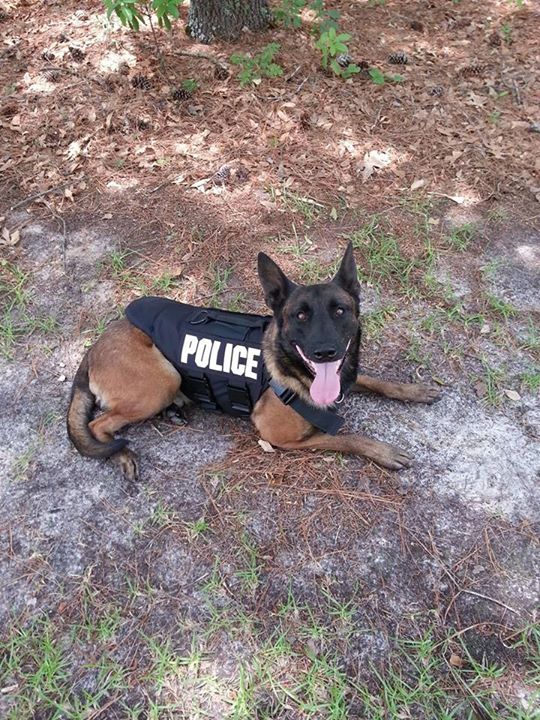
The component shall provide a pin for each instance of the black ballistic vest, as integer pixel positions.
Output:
(218, 353)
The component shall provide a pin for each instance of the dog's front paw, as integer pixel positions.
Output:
(424, 394)
(391, 457)
(175, 415)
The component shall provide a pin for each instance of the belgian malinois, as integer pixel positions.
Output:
(310, 347)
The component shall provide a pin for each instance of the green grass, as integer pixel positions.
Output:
(461, 236)
(374, 323)
(530, 379)
(383, 259)
(18, 319)
(303, 205)
(296, 247)
(312, 270)
(196, 528)
(290, 663)
(492, 379)
(416, 354)
(500, 306)
(220, 277)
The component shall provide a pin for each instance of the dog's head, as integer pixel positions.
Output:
(318, 324)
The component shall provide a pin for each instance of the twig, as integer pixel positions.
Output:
(517, 93)
(64, 234)
(35, 196)
(490, 599)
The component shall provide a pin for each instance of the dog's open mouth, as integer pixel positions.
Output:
(326, 386)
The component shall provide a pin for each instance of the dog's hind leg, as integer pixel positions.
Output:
(382, 453)
(408, 392)
(104, 427)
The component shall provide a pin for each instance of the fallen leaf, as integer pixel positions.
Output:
(9, 238)
(455, 660)
(266, 446)
(512, 394)
(373, 160)
(417, 184)
(106, 216)
(485, 329)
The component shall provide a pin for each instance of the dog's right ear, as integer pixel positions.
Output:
(276, 285)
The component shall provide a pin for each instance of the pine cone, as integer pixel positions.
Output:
(142, 124)
(53, 75)
(3, 16)
(180, 93)
(47, 55)
(344, 60)
(436, 90)
(472, 70)
(495, 39)
(398, 58)
(222, 176)
(77, 54)
(141, 82)
(417, 26)
(221, 72)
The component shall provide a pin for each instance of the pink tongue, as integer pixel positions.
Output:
(326, 386)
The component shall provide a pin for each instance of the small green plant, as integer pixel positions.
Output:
(333, 44)
(492, 379)
(190, 85)
(382, 255)
(261, 65)
(221, 277)
(288, 12)
(380, 78)
(196, 528)
(373, 323)
(500, 306)
(494, 117)
(497, 215)
(506, 30)
(134, 13)
(530, 380)
(461, 236)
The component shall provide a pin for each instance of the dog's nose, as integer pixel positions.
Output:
(325, 353)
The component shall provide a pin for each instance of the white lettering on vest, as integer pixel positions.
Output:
(202, 356)
(213, 364)
(227, 358)
(206, 352)
(236, 367)
(188, 348)
(252, 363)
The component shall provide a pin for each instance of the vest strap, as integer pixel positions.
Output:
(326, 420)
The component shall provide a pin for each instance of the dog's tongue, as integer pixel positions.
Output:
(326, 386)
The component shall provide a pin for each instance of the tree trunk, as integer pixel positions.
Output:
(210, 20)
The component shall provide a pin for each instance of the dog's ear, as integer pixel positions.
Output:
(347, 275)
(276, 285)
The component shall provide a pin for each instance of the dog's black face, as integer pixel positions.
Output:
(318, 327)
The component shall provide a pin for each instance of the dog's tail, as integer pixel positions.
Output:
(81, 406)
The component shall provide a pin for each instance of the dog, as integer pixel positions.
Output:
(308, 354)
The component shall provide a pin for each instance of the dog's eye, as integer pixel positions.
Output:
(301, 316)
(339, 311)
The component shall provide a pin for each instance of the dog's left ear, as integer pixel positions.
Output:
(347, 275)
(276, 285)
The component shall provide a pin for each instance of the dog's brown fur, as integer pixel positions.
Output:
(131, 381)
